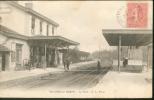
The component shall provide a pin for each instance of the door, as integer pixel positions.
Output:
(18, 55)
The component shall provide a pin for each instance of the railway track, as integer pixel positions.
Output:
(91, 78)
(84, 78)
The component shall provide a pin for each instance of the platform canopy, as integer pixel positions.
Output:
(57, 41)
(128, 37)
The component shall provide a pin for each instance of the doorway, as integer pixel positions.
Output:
(3, 62)
(50, 57)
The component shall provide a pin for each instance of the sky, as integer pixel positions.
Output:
(83, 21)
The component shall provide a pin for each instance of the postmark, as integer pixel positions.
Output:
(121, 16)
(137, 15)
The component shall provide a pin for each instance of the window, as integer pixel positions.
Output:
(40, 27)
(18, 53)
(33, 25)
(52, 30)
(47, 29)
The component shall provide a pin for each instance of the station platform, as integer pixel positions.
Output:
(126, 85)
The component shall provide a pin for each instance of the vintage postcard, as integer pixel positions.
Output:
(76, 49)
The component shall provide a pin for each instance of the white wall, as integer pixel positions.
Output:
(37, 31)
(28, 24)
(11, 44)
(20, 21)
(15, 19)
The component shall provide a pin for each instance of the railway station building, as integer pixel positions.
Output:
(28, 36)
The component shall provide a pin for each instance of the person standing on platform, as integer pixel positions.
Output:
(66, 63)
(98, 66)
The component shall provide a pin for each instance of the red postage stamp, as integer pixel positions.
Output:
(137, 15)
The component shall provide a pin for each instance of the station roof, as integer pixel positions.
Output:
(128, 37)
(53, 40)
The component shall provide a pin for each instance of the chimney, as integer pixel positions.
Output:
(29, 5)
(16, 1)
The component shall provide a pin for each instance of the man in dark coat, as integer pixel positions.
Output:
(66, 63)
(98, 66)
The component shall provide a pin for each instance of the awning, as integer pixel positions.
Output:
(4, 49)
(128, 37)
(57, 41)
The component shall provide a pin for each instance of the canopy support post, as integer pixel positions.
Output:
(119, 52)
(45, 54)
(147, 58)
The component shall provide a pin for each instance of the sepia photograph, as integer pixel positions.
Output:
(76, 49)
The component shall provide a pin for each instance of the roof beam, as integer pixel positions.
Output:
(128, 37)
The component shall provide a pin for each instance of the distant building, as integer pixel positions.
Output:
(78, 56)
(83, 55)
(27, 36)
